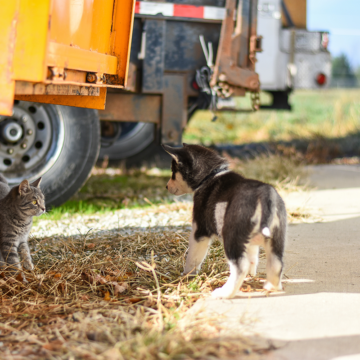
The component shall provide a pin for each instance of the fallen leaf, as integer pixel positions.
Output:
(119, 288)
(19, 277)
(100, 279)
(87, 278)
(133, 300)
(248, 289)
(90, 245)
(84, 298)
(57, 276)
(107, 296)
(53, 345)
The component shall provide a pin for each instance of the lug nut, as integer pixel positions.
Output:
(24, 118)
(90, 77)
(29, 132)
(10, 151)
(23, 145)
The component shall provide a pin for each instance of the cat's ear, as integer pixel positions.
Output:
(36, 183)
(173, 152)
(24, 187)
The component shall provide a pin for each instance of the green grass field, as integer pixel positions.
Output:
(329, 113)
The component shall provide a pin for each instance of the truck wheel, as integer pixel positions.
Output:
(132, 144)
(121, 140)
(59, 143)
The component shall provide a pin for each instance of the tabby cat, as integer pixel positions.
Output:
(17, 208)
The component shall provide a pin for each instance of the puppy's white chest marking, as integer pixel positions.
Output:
(220, 209)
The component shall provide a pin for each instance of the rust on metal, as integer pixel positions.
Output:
(255, 46)
(91, 102)
(233, 64)
(57, 74)
(26, 88)
(100, 78)
(90, 77)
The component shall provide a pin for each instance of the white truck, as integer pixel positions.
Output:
(292, 57)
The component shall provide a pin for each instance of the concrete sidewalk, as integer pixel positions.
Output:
(318, 315)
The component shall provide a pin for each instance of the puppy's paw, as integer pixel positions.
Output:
(270, 287)
(223, 293)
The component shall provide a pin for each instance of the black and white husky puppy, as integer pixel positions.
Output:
(244, 213)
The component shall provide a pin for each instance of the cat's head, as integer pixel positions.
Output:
(29, 198)
(191, 164)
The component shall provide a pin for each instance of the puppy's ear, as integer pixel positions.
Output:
(173, 152)
(185, 144)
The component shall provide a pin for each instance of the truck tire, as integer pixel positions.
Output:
(121, 140)
(59, 143)
(133, 146)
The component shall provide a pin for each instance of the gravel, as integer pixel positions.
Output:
(157, 217)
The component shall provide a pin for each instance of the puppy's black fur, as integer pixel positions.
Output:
(245, 213)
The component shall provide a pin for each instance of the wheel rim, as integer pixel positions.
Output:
(120, 140)
(112, 132)
(30, 141)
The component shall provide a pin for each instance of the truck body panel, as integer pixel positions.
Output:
(66, 43)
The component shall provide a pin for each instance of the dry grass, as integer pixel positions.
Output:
(115, 295)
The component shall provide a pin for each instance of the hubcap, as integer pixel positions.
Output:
(12, 132)
(30, 141)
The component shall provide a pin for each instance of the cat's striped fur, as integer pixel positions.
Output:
(17, 208)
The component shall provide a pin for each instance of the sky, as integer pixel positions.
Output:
(342, 19)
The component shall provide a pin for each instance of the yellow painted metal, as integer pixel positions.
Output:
(69, 57)
(123, 21)
(91, 102)
(82, 23)
(75, 35)
(31, 40)
(9, 18)
(101, 24)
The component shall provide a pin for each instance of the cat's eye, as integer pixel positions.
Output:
(34, 202)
